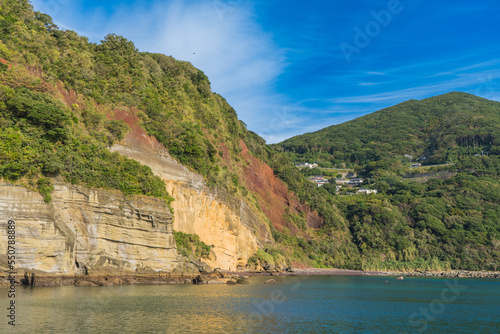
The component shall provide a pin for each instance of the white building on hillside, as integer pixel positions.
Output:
(366, 191)
(307, 165)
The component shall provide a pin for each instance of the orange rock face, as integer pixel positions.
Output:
(274, 195)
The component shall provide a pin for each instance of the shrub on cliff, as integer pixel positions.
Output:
(191, 245)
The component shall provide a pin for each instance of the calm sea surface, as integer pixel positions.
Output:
(293, 305)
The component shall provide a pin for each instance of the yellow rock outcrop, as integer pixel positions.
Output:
(232, 227)
(83, 229)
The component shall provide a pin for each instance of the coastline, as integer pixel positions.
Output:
(114, 278)
(382, 273)
(444, 274)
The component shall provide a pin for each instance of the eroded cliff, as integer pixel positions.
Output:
(233, 227)
(82, 230)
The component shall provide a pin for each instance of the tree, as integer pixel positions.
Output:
(118, 44)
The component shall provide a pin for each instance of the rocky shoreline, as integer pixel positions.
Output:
(116, 278)
(346, 272)
(47, 280)
(41, 279)
(443, 274)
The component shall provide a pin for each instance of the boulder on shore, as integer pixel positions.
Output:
(203, 267)
(242, 280)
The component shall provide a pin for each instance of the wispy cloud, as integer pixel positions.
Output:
(369, 83)
(468, 68)
(279, 65)
(219, 37)
(467, 82)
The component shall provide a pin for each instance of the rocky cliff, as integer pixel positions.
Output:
(233, 227)
(83, 229)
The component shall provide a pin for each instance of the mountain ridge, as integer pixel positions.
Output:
(427, 127)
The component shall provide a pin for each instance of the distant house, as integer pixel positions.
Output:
(351, 175)
(355, 182)
(341, 181)
(306, 165)
(416, 165)
(318, 179)
(366, 191)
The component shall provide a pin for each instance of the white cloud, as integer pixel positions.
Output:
(369, 83)
(482, 83)
(221, 38)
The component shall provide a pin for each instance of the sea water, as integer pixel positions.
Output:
(337, 304)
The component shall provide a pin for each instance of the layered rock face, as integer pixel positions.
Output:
(83, 230)
(231, 227)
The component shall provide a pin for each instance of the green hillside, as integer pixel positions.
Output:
(439, 128)
(173, 99)
(451, 214)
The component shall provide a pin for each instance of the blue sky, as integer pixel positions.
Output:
(290, 67)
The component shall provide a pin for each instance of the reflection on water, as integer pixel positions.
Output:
(292, 305)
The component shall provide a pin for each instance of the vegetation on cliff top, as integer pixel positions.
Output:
(175, 100)
(42, 137)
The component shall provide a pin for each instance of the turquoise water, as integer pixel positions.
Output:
(293, 305)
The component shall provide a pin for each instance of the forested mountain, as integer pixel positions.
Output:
(451, 212)
(61, 98)
(439, 129)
